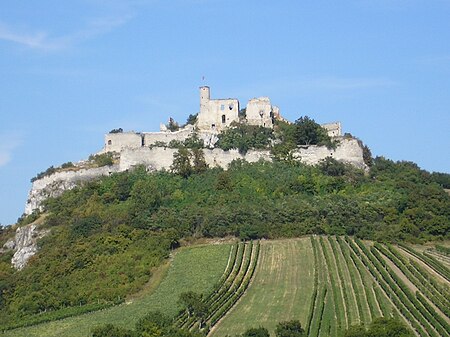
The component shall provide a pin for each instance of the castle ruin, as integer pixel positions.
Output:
(215, 116)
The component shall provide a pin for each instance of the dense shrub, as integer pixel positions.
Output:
(244, 137)
(107, 234)
(43, 174)
(104, 159)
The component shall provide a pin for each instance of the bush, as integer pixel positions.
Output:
(69, 164)
(172, 125)
(380, 327)
(244, 137)
(110, 330)
(192, 119)
(256, 332)
(104, 159)
(193, 142)
(289, 329)
(43, 174)
(308, 132)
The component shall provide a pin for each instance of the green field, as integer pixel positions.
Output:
(271, 297)
(195, 268)
(328, 283)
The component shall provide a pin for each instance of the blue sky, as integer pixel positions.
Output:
(73, 70)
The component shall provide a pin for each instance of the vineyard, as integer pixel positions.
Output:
(330, 283)
(327, 283)
(232, 285)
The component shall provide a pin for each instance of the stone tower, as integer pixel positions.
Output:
(216, 114)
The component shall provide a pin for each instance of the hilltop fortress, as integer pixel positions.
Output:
(155, 150)
(215, 116)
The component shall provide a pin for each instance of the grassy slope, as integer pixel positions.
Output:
(193, 268)
(281, 288)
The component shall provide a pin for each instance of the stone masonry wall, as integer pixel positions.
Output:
(158, 158)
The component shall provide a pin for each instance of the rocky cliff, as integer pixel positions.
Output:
(24, 244)
(158, 158)
(53, 185)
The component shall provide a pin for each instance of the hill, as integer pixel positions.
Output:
(328, 283)
(104, 238)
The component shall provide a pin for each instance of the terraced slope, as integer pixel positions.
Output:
(330, 283)
(193, 268)
(271, 296)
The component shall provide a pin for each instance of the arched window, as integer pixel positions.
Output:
(223, 119)
(110, 142)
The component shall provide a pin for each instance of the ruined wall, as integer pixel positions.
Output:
(259, 112)
(150, 138)
(216, 114)
(158, 158)
(333, 129)
(115, 142)
(348, 151)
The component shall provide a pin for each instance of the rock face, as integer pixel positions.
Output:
(25, 244)
(53, 185)
(155, 159)
(159, 158)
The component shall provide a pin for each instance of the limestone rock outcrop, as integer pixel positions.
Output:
(54, 185)
(24, 244)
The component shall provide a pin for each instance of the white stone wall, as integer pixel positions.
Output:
(156, 158)
(333, 129)
(115, 142)
(159, 158)
(216, 114)
(151, 138)
(348, 151)
(259, 112)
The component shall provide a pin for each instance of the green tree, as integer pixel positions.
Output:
(388, 327)
(172, 125)
(182, 163)
(380, 327)
(199, 162)
(194, 304)
(154, 324)
(308, 132)
(223, 181)
(256, 332)
(192, 119)
(289, 329)
(110, 330)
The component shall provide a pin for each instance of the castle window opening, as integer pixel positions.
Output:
(110, 142)
(222, 107)
(231, 106)
(213, 126)
(223, 118)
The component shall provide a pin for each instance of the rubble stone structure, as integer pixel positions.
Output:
(216, 114)
(333, 129)
(260, 112)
